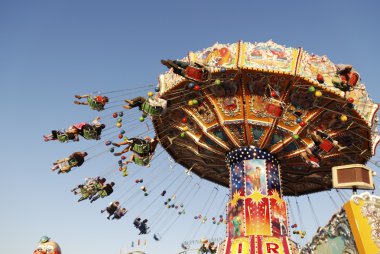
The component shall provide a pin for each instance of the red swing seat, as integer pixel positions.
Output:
(326, 145)
(314, 159)
(196, 74)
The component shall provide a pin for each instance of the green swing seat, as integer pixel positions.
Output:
(72, 162)
(151, 110)
(94, 104)
(336, 80)
(63, 137)
(103, 193)
(85, 193)
(142, 161)
(90, 134)
(141, 148)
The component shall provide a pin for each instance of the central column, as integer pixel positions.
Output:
(256, 213)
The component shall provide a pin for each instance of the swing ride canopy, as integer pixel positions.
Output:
(269, 96)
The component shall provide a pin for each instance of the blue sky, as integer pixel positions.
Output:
(51, 50)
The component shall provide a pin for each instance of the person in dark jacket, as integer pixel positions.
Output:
(65, 165)
(143, 227)
(105, 191)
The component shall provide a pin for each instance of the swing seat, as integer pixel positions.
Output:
(72, 162)
(338, 83)
(63, 137)
(196, 74)
(94, 104)
(354, 78)
(151, 110)
(85, 193)
(326, 145)
(103, 194)
(93, 187)
(65, 167)
(98, 185)
(314, 159)
(274, 109)
(142, 161)
(90, 134)
(141, 148)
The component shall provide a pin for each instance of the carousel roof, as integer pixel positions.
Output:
(269, 96)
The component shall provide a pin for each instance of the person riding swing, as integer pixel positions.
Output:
(142, 155)
(91, 131)
(111, 208)
(94, 102)
(105, 191)
(324, 141)
(322, 144)
(151, 106)
(143, 227)
(89, 188)
(65, 136)
(195, 72)
(120, 212)
(140, 146)
(65, 165)
(346, 78)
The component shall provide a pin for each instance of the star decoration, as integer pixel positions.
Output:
(235, 198)
(256, 196)
(277, 197)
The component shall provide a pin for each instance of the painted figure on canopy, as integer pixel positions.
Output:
(236, 222)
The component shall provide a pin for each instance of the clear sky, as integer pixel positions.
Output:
(51, 50)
